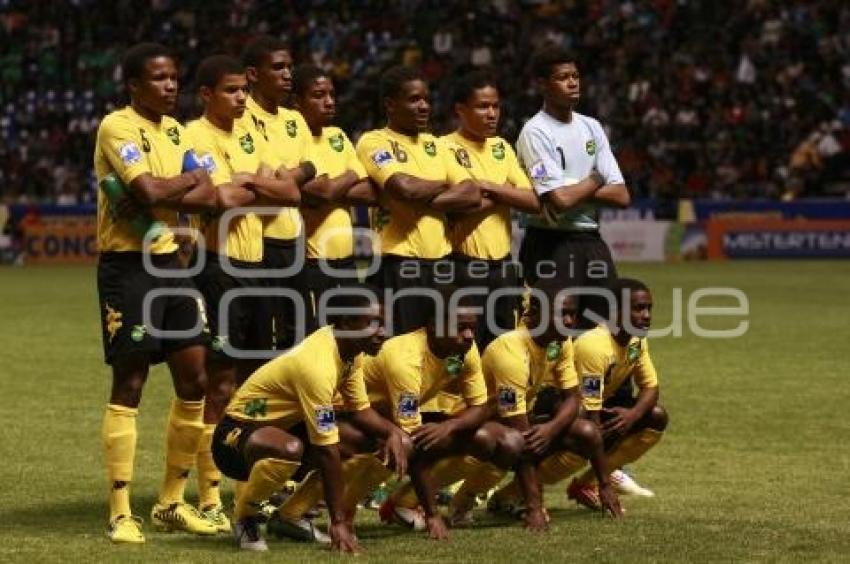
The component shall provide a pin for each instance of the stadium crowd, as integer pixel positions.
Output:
(714, 99)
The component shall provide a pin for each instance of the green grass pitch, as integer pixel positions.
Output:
(754, 466)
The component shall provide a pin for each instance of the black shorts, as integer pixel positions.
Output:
(279, 254)
(228, 445)
(578, 259)
(396, 273)
(248, 326)
(122, 284)
(491, 275)
(317, 282)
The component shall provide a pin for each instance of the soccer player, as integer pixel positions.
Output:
(145, 148)
(341, 181)
(284, 414)
(517, 366)
(605, 361)
(243, 177)
(481, 238)
(572, 169)
(410, 370)
(283, 131)
(419, 182)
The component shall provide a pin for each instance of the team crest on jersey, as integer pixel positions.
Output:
(381, 219)
(498, 151)
(462, 158)
(430, 148)
(507, 398)
(256, 407)
(591, 386)
(130, 153)
(538, 171)
(454, 364)
(173, 134)
(247, 143)
(291, 128)
(337, 143)
(590, 147)
(553, 350)
(633, 352)
(325, 419)
(408, 405)
(381, 157)
(113, 321)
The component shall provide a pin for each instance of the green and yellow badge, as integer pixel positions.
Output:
(173, 134)
(291, 128)
(633, 351)
(430, 148)
(553, 350)
(590, 147)
(337, 143)
(255, 407)
(454, 364)
(247, 143)
(381, 218)
(462, 158)
(498, 151)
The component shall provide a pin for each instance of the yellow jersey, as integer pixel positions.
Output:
(300, 385)
(516, 367)
(405, 228)
(487, 234)
(406, 374)
(129, 145)
(603, 365)
(224, 153)
(327, 228)
(284, 135)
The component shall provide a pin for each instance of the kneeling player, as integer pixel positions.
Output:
(410, 370)
(284, 412)
(517, 365)
(605, 361)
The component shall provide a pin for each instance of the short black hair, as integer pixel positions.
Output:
(545, 59)
(351, 296)
(133, 62)
(467, 84)
(621, 286)
(212, 68)
(395, 77)
(262, 46)
(304, 76)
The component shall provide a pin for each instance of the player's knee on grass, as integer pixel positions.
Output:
(271, 442)
(656, 419)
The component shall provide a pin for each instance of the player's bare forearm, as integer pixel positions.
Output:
(233, 195)
(328, 461)
(362, 193)
(301, 174)
(407, 187)
(276, 191)
(459, 198)
(646, 400)
(166, 192)
(331, 189)
(470, 418)
(522, 200)
(420, 478)
(370, 421)
(567, 197)
(486, 205)
(567, 410)
(616, 195)
(200, 198)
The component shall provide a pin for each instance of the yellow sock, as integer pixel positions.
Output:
(119, 442)
(209, 476)
(630, 449)
(480, 478)
(267, 476)
(185, 427)
(559, 466)
(307, 495)
(444, 472)
(364, 473)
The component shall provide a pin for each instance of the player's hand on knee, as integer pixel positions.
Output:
(430, 435)
(394, 454)
(609, 501)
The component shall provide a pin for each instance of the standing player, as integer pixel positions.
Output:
(284, 133)
(341, 181)
(419, 182)
(144, 147)
(481, 239)
(574, 172)
(242, 177)
(605, 362)
(284, 413)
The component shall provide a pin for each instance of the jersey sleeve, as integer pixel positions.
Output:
(122, 144)
(516, 174)
(473, 386)
(592, 363)
(377, 158)
(402, 382)
(540, 160)
(315, 397)
(507, 373)
(209, 155)
(566, 376)
(606, 163)
(644, 373)
(353, 163)
(455, 173)
(352, 389)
